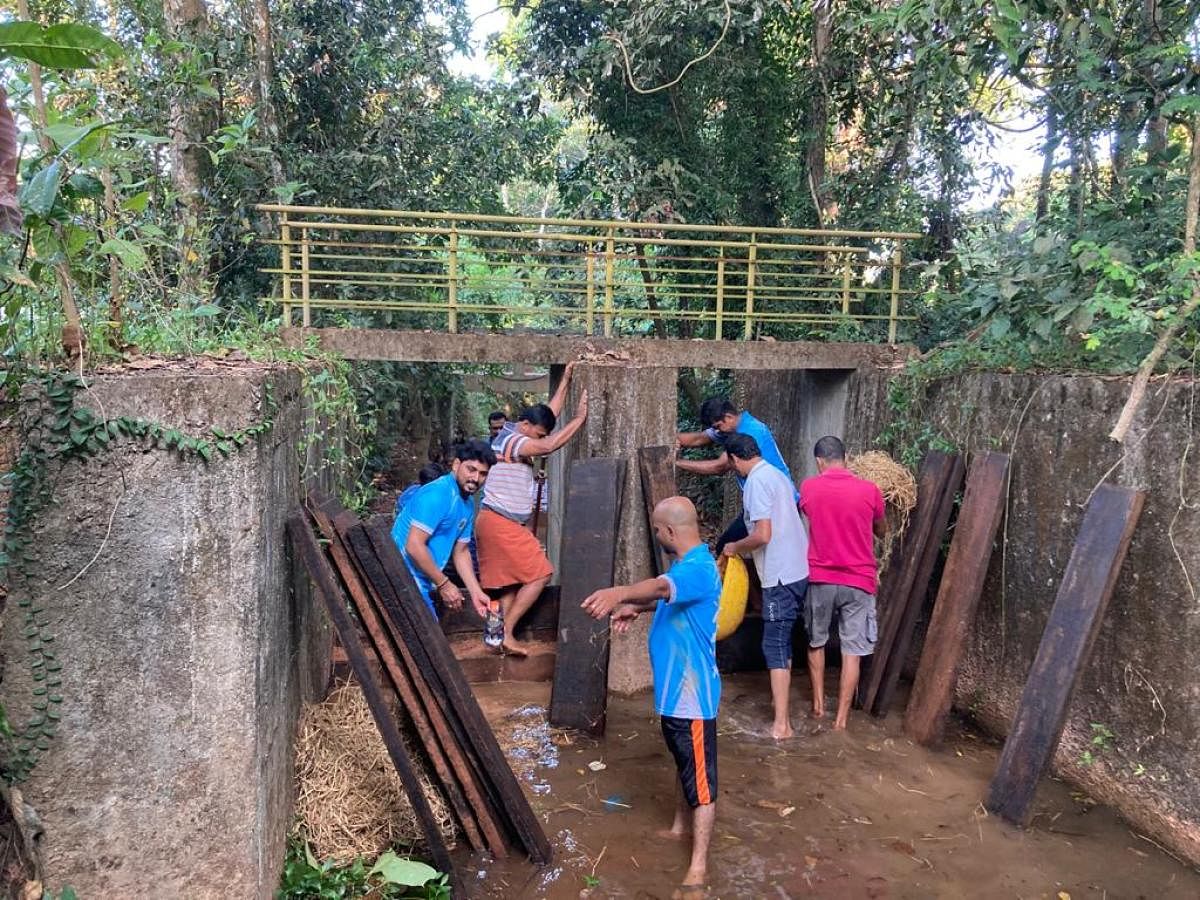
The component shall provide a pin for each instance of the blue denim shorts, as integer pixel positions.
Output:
(782, 604)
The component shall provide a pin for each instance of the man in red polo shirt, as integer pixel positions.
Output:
(844, 513)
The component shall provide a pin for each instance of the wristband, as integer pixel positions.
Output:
(445, 581)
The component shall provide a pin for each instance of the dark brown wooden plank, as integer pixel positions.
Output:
(322, 575)
(656, 467)
(923, 567)
(895, 587)
(425, 639)
(473, 824)
(1066, 647)
(957, 599)
(579, 698)
(542, 615)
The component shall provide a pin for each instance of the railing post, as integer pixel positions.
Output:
(609, 263)
(452, 282)
(846, 257)
(306, 314)
(589, 316)
(720, 293)
(895, 309)
(751, 273)
(285, 259)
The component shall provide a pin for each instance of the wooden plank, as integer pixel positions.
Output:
(404, 601)
(1083, 596)
(895, 586)
(923, 566)
(321, 573)
(542, 615)
(957, 599)
(474, 817)
(579, 698)
(656, 466)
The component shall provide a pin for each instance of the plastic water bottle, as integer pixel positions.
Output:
(493, 626)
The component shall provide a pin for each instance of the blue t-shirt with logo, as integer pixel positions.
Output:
(766, 445)
(683, 639)
(441, 511)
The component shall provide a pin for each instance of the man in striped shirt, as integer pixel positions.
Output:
(511, 561)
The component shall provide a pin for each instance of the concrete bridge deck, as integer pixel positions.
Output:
(428, 346)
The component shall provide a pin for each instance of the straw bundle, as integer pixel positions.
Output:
(899, 489)
(349, 800)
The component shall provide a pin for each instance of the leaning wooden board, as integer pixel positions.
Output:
(579, 698)
(453, 775)
(323, 577)
(1083, 596)
(656, 467)
(429, 647)
(957, 599)
(907, 579)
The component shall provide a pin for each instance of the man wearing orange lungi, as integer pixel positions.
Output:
(510, 558)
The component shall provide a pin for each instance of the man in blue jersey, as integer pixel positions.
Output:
(683, 656)
(436, 525)
(721, 421)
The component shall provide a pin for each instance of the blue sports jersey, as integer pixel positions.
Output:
(683, 639)
(766, 445)
(441, 511)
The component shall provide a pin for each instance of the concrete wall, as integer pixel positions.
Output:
(182, 649)
(628, 407)
(1142, 683)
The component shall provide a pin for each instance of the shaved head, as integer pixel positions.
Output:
(676, 525)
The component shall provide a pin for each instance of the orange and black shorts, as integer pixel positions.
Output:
(693, 743)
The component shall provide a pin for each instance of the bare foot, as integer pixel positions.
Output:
(781, 732)
(839, 725)
(512, 648)
(816, 713)
(689, 892)
(670, 834)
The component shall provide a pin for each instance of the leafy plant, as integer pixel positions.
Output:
(391, 876)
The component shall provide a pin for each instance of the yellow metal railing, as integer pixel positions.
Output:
(565, 274)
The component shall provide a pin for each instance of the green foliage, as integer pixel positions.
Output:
(57, 431)
(306, 878)
(1101, 742)
(64, 46)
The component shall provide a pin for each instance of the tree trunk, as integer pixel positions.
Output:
(1053, 139)
(822, 12)
(191, 123)
(264, 77)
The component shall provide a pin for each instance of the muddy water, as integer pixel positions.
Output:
(862, 814)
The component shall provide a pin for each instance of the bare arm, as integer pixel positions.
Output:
(416, 545)
(643, 596)
(466, 571)
(560, 395)
(692, 439)
(759, 537)
(718, 466)
(547, 445)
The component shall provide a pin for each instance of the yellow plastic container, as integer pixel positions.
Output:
(735, 589)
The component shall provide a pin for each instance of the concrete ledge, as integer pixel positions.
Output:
(427, 346)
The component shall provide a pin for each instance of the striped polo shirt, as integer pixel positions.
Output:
(509, 486)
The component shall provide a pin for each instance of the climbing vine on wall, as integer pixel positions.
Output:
(56, 431)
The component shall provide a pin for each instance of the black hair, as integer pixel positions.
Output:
(713, 409)
(497, 415)
(430, 472)
(830, 448)
(475, 450)
(743, 446)
(540, 415)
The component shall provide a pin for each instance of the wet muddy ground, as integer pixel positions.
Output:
(861, 814)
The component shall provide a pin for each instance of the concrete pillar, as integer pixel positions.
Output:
(170, 774)
(629, 407)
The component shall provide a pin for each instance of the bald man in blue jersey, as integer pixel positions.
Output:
(683, 656)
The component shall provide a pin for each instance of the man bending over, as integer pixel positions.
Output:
(436, 524)
(683, 657)
(777, 541)
(843, 512)
(511, 560)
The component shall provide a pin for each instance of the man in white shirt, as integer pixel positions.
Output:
(777, 541)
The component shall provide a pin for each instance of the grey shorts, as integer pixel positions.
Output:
(856, 617)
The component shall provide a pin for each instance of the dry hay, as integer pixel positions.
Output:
(899, 489)
(349, 800)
